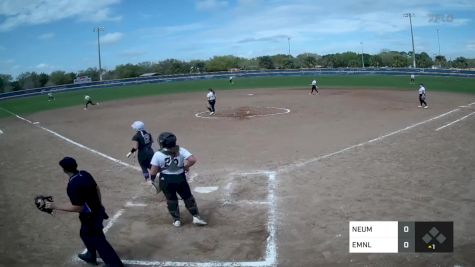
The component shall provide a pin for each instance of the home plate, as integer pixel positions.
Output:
(205, 189)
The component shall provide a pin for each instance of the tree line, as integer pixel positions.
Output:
(385, 58)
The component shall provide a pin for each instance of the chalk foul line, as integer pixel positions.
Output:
(453, 122)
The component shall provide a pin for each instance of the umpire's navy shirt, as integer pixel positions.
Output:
(82, 191)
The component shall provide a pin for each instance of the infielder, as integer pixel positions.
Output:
(88, 100)
(173, 162)
(142, 144)
(314, 87)
(211, 96)
(422, 96)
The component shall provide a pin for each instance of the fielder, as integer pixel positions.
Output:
(422, 96)
(231, 80)
(88, 100)
(142, 144)
(211, 96)
(314, 87)
(50, 96)
(413, 78)
(173, 162)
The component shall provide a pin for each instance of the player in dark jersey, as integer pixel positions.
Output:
(142, 144)
(85, 198)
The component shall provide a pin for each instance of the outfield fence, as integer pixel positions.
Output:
(252, 73)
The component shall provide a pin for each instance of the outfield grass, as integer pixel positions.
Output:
(27, 105)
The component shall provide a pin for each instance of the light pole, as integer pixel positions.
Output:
(410, 15)
(362, 60)
(288, 40)
(99, 29)
(438, 40)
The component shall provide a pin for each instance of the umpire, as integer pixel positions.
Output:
(85, 197)
(172, 162)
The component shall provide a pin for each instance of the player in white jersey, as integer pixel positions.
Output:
(422, 96)
(173, 162)
(231, 80)
(413, 78)
(211, 96)
(88, 100)
(314, 87)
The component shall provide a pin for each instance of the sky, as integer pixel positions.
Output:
(49, 35)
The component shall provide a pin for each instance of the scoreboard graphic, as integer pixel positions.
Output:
(395, 237)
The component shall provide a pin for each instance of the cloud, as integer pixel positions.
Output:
(211, 4)
(46, 36)
(470, 46)
(112, 38)
(18, 13)
(274, 38)
(42, 66)
(133, 53)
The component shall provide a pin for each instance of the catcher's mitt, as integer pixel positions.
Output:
(40, 202)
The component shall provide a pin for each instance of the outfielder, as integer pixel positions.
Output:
(422, 96)
(211, 96)
(413, 78)
(173, 162)
(142, 144)
(314, 87)
(50, 96)
(85, 197)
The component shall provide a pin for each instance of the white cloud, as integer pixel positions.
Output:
(112, 38)
(46, 36)
(18, 13)
(470, 46)
(211, 4)
(273, 38)
(133, 53)
(42, 66)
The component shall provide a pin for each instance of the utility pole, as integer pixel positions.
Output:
(410, 15)
(362, 59)
(288, 40)
(438, 40)
(99, 29)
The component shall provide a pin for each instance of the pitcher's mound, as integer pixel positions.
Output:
(245, 112)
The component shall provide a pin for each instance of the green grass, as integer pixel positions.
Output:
(28, 105)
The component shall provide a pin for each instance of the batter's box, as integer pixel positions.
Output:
(237, 234)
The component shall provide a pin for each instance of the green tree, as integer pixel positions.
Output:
(222, 63)
(60, 77)
(265, 62)
(29, 80)
(460, 63)
(43, 79)
(5, 80)
(423, 60)
(92, 73)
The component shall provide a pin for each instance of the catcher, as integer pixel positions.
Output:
(85, 197)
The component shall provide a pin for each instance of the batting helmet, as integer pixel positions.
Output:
(167, 140)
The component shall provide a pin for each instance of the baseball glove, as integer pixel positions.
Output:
(40, 202)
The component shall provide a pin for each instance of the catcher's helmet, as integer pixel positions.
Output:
(167, 140)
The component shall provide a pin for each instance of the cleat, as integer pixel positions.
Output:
(198, 221)
(426, 107)
(177, 223)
